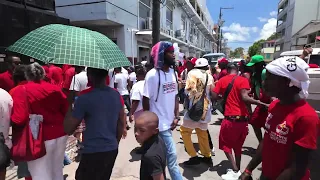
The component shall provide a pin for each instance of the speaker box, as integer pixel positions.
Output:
(14, 17)
(34, 3)
(48, 4)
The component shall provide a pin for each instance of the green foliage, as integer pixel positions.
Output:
(255, 48)
(237, 53)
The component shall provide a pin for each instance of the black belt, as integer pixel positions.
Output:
(237, 118)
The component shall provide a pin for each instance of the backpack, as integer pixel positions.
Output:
(196, 111)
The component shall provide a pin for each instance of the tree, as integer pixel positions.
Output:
(237, 53)
(255, 48)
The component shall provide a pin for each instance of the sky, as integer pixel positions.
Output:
(250, 20)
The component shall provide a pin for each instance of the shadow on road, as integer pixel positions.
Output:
(249, 151)
(195, 171)
(222, 167)
(134, 155)
(217, 123)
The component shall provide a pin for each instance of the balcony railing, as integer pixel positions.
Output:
(281, 2)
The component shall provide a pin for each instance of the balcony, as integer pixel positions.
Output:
(195, 17)
(282, 13)
(281, 26)
(282, 2)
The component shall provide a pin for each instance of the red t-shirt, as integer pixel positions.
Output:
(6, 81)
(55, 74)
(285, 126)
(45, 99)
(234, 104)
(67, 77)
(223, 73)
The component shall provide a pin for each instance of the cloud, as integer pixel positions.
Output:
(261, 19)
(268, 29)
(273, 13)
(236, 32)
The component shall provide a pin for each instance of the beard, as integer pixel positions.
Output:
(169, 62)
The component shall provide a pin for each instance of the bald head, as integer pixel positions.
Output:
(146, 126)
(149, 119)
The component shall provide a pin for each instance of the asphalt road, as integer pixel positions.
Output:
(128, 162)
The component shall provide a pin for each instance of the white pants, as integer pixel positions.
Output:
(50, 166)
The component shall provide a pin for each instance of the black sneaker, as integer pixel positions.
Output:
(207, 160)
(192, 161)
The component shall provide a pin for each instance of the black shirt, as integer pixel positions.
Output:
(153, 159)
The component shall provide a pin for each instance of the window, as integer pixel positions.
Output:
(268, 55)
(144, 9)
(183, 22)
(169, 14)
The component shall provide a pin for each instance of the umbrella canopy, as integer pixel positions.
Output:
(61, 44)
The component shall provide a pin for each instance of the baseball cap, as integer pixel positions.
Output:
(201, 62)
(223, 60)
(193, 61)
(255, 59)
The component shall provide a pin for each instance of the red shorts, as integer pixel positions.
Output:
(232, 136)
(259, 116)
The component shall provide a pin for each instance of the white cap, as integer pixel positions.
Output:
(293, 68)
(201, 62)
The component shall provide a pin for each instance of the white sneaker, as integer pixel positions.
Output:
(231, 175)
(212, 152)
(194, 132)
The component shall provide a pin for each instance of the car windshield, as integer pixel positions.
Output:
(213, 59)
(315, 59)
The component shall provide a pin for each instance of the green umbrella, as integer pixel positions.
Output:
(61, 44)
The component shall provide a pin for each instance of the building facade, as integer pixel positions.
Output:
(267, 50)
(298, 24)
(308, 31)
(129, 23)
(286, 9)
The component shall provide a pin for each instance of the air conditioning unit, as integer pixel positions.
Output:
(171, 33)
(162, 30)
(148, 23)
(181, 34)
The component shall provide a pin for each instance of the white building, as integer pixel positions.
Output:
(286, 10)
(298, 24)
(307, 31)
(128, 23)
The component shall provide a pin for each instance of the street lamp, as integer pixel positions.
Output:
(220, 24)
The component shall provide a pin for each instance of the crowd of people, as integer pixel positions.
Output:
(45, 103)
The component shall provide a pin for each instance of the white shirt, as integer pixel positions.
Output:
(133, 77)
(122, 82)
(165, 104)
(79, 82)
(6, 104)
(123, 70)
(111, 78)
(136, 94)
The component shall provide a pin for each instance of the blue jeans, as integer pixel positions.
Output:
(171, 155)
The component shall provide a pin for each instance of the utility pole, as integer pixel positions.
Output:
(155, 21)
(220, 23)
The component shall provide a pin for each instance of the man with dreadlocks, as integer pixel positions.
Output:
(160, 96)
